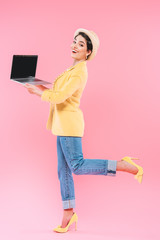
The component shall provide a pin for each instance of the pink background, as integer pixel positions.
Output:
(121, 106)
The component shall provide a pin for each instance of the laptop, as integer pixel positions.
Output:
(24, 70)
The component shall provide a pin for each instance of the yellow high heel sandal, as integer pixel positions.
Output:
(139, 175)
(73, 219)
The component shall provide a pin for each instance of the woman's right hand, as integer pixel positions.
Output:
(33, 89)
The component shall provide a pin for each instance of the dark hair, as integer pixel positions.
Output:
(89, 43)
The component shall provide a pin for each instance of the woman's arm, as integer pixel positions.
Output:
(59, 96)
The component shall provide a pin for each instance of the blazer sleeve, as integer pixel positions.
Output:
(52, 96)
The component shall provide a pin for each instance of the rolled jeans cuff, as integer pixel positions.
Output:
(68, 204)
(112, 166)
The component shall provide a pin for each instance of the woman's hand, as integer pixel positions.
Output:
(33, 89)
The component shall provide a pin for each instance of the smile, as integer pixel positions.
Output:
(74, 51)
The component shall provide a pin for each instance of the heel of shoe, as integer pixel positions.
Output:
(139, 175)
(139, 178)
(76, 220)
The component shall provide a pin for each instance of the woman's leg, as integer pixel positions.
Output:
(66, 185)
(72, 149)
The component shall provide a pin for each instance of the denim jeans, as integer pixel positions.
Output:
(70, 160)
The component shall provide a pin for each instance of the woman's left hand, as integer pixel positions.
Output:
(33, 89)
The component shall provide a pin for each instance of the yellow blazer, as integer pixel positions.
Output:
(65, 116)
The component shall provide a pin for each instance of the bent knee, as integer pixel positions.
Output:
(76, 171)
(76, 166)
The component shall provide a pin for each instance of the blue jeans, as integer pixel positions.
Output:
(70, 160)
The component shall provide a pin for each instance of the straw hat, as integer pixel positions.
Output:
(94, 39)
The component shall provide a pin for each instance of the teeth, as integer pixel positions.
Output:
(74, 51)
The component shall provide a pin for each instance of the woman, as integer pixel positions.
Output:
(67, 123)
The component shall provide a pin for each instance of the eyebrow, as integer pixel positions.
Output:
(81, 41)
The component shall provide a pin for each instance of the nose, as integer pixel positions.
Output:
(74, 45)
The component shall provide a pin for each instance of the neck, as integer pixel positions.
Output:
(77, 61)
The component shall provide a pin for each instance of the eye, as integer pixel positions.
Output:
(81, 45)
(74, 41)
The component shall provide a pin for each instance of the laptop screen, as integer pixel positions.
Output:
(24, 66)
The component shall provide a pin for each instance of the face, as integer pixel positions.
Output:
(79, 48)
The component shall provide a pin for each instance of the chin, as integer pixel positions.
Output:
(74, 58)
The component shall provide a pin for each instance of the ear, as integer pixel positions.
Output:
(89, 51)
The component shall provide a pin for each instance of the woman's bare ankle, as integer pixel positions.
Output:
(68, 212)
(126, 167)
(120, 166)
